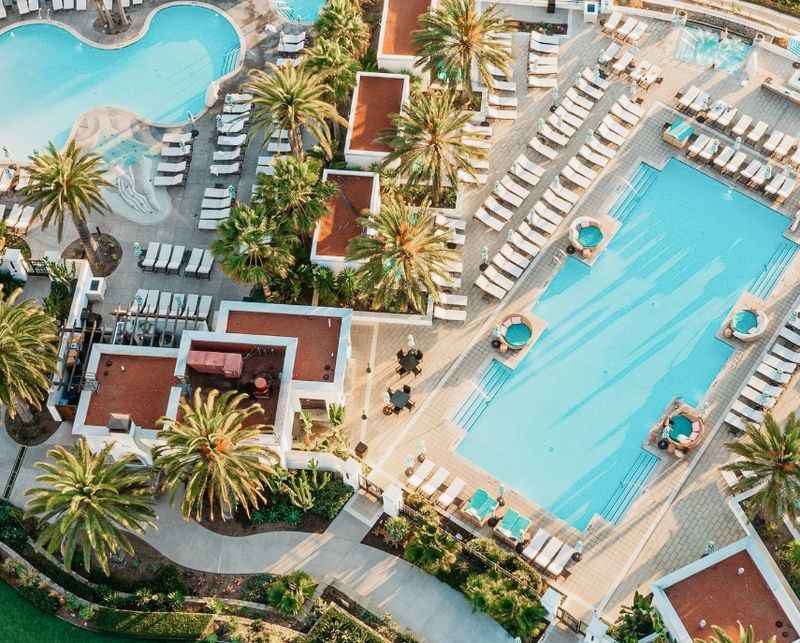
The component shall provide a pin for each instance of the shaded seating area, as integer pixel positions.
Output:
(480, 507)
(409, 362)
(513, 528)
(396, 400)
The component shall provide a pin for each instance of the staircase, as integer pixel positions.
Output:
(492, 380)
(630, 487)
(773, 269)
(645, 176)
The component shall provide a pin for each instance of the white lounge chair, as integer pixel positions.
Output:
(176, 259)
(172, 168)
(547, 214)
(610, 53)
(697, 146)
(556, 567)
(623, 115)
(206, 263)
(593, 157)
(533, 548)
(494, 207)
(163, 256)
(216, 204)
(228, 155)
(521, 243)
(194, 262)
(591, 91)
(785, 353)
(238, 98)
(747, 412)
(204, 307)
(575, 109)
(490, 288)
(773, 374)
(578, 179)
(762, 386)
(579, 100)
(449, 495)
(773, 140)
(507, 266)
(548, 553)
(232, 141)
(484, 217)
(735, 163)
(233, 168)
(761, 400)
(430, 487)
(610, 136)
(176, 138)
(512, 255)
(149, 261)
(742, 125)
(636, 34)
(611, 24)
(422, 472)
(757, 133)
(724, 157)
(622, 63)
(688, 97)
(190, 305)
(449, 314)
(543, 149)
(627, 28)
(492, 274)
(171, 151)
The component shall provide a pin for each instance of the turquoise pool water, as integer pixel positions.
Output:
(518, 334)
(701, 46)
(300, 10)
(590, 236)
(745, 320)
(680, 425)
(53, 77)
(623, 339)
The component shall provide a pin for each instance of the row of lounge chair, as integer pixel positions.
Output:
(502, 99)
(431, 486)
(165, 257)
(543, 61)
(477, 136)
(17, 217)
(770, 378)
(290, 48)
(622, 63)
(166, 304)
(631, 30)
(734, 162)
(14, 179)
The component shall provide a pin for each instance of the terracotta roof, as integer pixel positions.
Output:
(378, 98)
(317, 339)
(721, 597)
(401, 20)
(135, 385)
(339, 225)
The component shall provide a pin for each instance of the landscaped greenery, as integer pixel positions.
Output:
(771, 457)
(637, 620)
(68, 183)
(153, 624)
(89, 502)
(325, 501)
(336, 626)
(28, 345)
(212, 456)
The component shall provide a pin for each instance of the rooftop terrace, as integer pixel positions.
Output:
(317, 339)
(401, 20)
(339, 225)
(377, 97)
(135, 385)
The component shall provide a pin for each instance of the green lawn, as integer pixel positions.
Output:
(21, 621)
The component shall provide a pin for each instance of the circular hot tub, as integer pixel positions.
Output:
(516, 332)
(748, 324)
(586, 235)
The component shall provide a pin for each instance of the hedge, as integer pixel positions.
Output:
(336, 626)
(174, 625)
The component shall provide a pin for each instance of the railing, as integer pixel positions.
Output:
(37, 267)
(576, 625)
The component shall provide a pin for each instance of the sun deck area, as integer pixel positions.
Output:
(340, 225)
(377, 97)
(401, 19)
(135, 385)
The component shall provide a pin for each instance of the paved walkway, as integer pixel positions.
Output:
(378, 581)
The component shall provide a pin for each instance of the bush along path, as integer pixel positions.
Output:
(378, 580)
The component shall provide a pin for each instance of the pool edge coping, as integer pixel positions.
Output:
(133, 39)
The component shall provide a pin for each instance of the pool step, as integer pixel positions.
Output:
(492, 380)
(629, 487)
(229, 62)
(773, 270)
(645, 176)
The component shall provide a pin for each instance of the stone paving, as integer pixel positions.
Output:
(683, 505)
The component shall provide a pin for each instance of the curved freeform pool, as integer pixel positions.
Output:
(52, 77)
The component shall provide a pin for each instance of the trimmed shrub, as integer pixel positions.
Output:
(255, 587)
(152, 624)
(40, 597)
(278, 512)
(336, 626)
(397, 529)
(168, 579)
(329, 500)
(289, 593)
(12, 533)
(499, 597)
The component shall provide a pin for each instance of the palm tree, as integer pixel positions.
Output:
(637, 620)
(295, 194)
(426, 140)
(104, 13)
(403, 256)
(771, 457)
(336, 64)
(28, 352)
(746, 635)
(212, 448)
(254, 248)
(68, 182)
(454, 35)
(291, 98)
(89, 503)
(342, 21)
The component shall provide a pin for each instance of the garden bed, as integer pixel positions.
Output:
(385, 627)
(30, 434)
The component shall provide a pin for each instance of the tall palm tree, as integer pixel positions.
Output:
(291, 98)
(68, 183)
(456, 34)
(342, 21)
(28, 352)
(254, 248)
(89, 503)
(426, 140)
(403, 255)
(771, 457)
(294, 193)
(746, 635)
(336, 64)
(212, 449)
(104, 13)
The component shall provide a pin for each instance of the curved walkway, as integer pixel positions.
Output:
(379, 581)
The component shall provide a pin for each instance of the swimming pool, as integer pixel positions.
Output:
(300, 10)
(623, 339)
(704, 47)
(54, 77)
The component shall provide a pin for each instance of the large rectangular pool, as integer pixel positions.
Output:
(623, 339)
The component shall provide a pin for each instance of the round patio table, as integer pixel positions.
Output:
(399, 399)
(409, 361)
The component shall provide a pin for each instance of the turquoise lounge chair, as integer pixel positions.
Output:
(514, 527)
(480, 507)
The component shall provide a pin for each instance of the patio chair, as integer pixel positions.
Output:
(480, 507)
(536, 544)
(556, 567)
(548, 553)
(190, 306)
(513, 528)
(489, 288)
(194, 262)
(204, 269)
(422, 472)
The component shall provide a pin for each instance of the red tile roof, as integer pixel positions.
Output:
(339, 226)
(135, 385)
(721, 597)
(378, 97)
(401, 20)
(317, 339)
